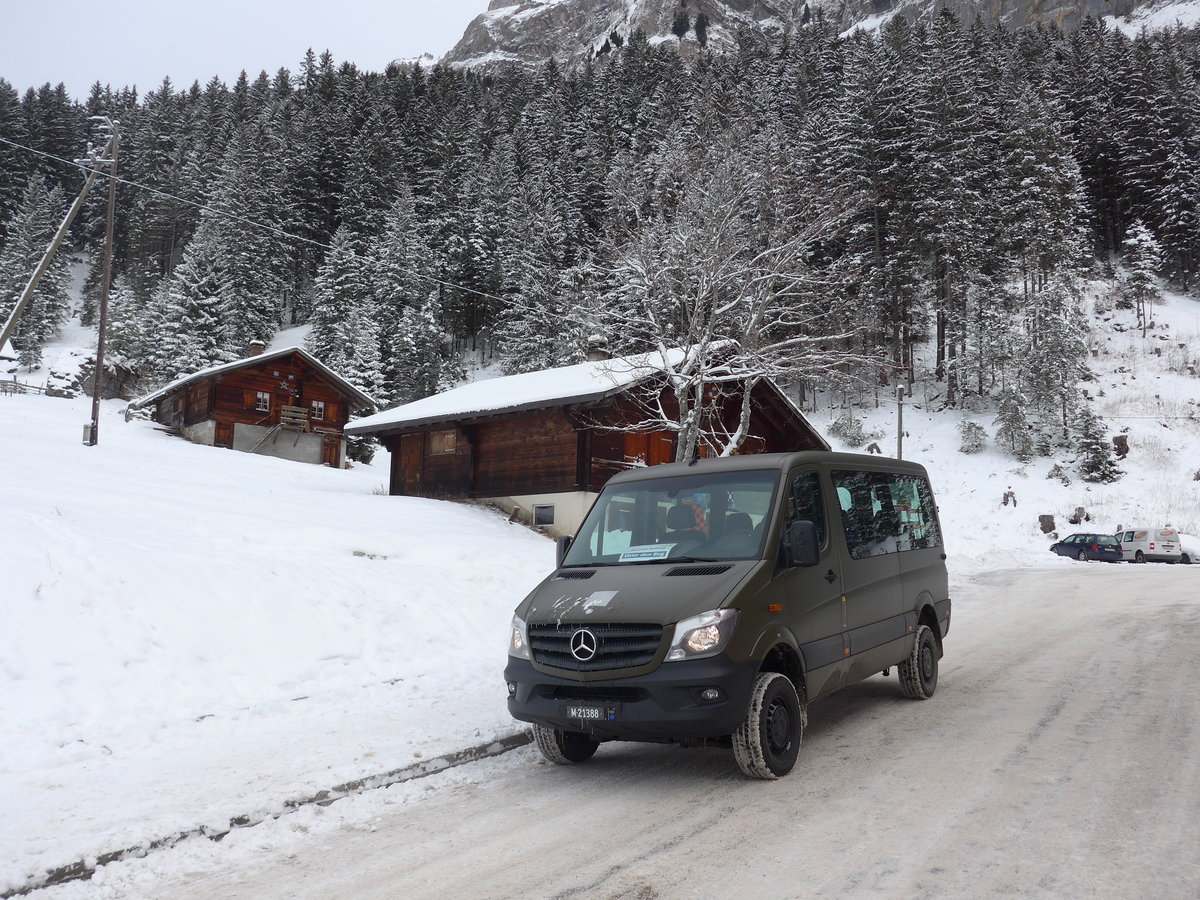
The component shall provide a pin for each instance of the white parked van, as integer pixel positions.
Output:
(1150, 545)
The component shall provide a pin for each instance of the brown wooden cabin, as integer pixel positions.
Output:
(545, 452)
(285, 403)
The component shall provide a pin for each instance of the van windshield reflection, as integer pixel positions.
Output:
(686, 518)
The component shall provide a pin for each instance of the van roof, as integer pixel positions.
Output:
(777, 461)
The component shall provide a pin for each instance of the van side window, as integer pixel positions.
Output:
(804, 502)
(869, 518)
(918, 515)
(885, 512)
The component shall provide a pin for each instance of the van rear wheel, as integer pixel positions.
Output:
(919, 673)
(765, 745)
(563, 747)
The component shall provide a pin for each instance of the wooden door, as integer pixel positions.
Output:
(412, 459)
(331, 450)
(224, 435)
(651, 448)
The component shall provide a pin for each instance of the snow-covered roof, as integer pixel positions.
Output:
(515, 393)
(333, 376)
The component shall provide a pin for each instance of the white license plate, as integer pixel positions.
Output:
(592, 713)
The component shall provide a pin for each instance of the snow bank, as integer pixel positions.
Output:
(165, 604)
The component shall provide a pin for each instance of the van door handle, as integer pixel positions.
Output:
(831, 576)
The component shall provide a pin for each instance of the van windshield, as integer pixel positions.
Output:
(709, 516)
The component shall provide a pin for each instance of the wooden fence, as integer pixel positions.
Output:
(12, 386)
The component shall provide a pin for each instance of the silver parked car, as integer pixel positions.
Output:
(1189, 548)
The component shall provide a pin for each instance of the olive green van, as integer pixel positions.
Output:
(710, 602)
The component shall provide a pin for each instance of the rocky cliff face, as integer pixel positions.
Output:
(532, 31)
(536, 30)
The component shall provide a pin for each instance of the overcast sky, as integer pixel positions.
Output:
(126, 42)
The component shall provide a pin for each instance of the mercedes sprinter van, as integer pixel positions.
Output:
(710, 602)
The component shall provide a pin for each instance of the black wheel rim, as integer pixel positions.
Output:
(927, 663)
(778, 727)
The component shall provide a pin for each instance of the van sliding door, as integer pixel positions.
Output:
(868, 541)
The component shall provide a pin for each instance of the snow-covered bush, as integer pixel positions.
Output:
(1058, 473)
(973, 436)
(849, 430)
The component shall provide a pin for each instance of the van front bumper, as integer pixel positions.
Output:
(663, 705)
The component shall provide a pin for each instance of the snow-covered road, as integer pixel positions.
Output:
(1057, 759)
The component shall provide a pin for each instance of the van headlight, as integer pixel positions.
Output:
(518, 640)
(704, 635)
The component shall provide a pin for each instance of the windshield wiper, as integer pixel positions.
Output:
(646, 562)
(679, 559)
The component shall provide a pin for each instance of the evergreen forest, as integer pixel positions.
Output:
(925, 202)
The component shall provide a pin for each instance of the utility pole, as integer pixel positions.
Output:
(93, 431)
(900, 422)
(11, 325)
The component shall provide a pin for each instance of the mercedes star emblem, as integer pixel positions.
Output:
(583, 645)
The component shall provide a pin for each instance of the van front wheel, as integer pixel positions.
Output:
(563, 747)
(919, 673)
(765, 745)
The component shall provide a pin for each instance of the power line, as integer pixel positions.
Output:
(75, 164)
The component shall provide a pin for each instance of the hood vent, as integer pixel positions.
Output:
(697, 570)
(577, 576)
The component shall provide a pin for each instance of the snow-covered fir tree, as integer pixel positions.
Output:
(1013, 432)
(1097, 461)
(185, 316)
(421, 362)
(343, 333)
(29, 234)
(1140, 287)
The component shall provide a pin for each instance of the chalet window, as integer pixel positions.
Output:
(318, 410)
(443, 443)
(543, 515)
(262, 401)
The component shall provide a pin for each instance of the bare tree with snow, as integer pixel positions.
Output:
(736, 285)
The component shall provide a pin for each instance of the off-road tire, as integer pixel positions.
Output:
(765, 745)
(919, 673)
(563, 747)
(1082, 556)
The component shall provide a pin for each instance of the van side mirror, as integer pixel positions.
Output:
(800, 544)
(563, 545)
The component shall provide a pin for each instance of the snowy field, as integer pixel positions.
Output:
(192, 635)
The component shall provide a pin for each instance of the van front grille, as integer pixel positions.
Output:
(616, 646)
(582, 693)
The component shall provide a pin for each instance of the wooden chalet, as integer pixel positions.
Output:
(285, 403)
(543, 444)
